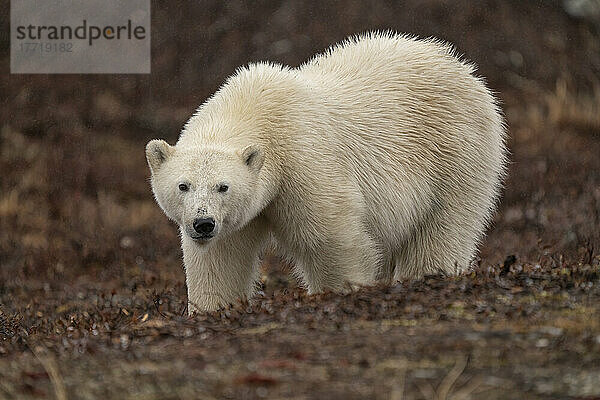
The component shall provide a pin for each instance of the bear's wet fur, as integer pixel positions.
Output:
(378, 160)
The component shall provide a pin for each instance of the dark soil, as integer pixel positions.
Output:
(92, 295)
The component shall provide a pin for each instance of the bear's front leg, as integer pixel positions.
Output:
(221, 273)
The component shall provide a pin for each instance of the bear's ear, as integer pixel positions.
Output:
(157, 152)
(253, 157)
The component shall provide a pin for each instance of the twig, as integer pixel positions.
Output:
(450, 379)
(468, 389)
(49, 364)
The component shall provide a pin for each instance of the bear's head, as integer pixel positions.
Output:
(209, 192)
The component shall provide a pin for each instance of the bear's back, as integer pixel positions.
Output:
(385, 54)
(388, 91)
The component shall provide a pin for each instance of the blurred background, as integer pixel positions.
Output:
(81, 238)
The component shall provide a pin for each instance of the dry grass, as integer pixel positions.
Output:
(91, 285)
(567, 107)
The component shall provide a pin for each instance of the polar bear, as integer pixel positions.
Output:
(378, 160)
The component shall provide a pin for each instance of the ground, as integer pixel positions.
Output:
(92, 295)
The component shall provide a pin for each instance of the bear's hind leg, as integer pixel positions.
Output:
(350, 258)
(434, 248)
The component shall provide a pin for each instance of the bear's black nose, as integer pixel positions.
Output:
(204, 226)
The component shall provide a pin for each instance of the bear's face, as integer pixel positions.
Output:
(208, 192)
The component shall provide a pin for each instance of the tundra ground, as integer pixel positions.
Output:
(92, 296)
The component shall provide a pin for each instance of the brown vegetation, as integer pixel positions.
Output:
(92, 292)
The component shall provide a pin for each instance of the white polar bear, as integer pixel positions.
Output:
(378, 160)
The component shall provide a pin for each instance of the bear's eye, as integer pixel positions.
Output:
(184, 187)
(223, 188)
